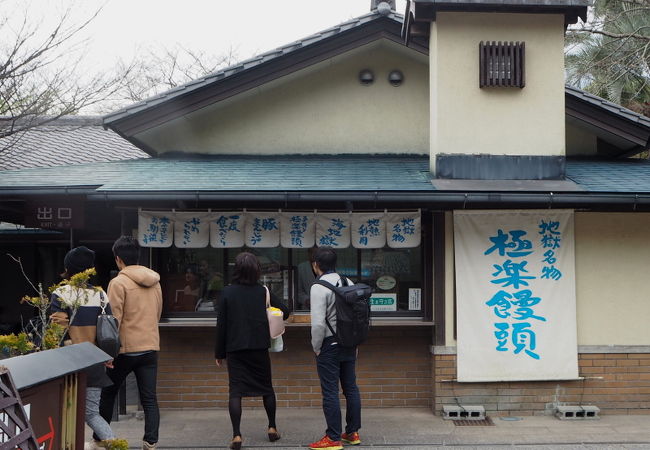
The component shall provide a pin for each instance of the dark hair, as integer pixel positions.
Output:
(325, 258)
(128, 249)
(247, 269)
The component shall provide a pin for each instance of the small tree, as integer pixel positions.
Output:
(44, 332)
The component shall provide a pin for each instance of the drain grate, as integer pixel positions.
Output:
(487, 422)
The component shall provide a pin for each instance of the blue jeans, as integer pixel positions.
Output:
(336, 364)
(145, 367)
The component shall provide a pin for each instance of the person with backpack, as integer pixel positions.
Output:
(335, 357)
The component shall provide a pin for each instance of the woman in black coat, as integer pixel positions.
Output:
(243, 339)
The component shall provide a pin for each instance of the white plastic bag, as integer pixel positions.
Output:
(277, 344)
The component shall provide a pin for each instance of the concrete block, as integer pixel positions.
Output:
(577, 412)
(463, 412)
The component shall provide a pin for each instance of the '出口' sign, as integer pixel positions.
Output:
(55, 213)
(515, 284)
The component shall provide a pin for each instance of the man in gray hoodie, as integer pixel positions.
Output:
(334, 362)
(135, 297)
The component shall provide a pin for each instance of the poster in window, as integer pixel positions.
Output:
(227, 229)
(368, 230)
(333, 230)
(297, 230)
(155, 229)
(191, 230)
(262, 229)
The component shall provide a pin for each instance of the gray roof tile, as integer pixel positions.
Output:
(65, 141)
(296, 173)
(237, 173)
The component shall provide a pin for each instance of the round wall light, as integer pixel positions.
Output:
(366, 77)
(396, 78)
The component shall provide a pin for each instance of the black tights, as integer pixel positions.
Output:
(234, 407)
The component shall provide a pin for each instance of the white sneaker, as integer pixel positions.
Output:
(148, 446)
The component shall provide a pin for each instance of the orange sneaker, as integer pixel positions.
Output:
(326, 444)
(351, 438)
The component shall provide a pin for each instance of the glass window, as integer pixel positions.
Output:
(396, 276)
(192, 279)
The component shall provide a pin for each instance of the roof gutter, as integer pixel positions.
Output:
(456, 199)
(446, 198)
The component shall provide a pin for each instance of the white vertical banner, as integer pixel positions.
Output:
(516, 301)
(403, 229)
(191, 230)
(262, 229)
(227, 229)
(297, 230)
(333, 230)
(368, 230)
(155, 229)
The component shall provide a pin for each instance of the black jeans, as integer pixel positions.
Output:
(336, 364)
(145, 368)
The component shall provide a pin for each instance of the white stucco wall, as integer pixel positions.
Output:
(320, 109)
(466, 119)
(612, 282)
(612, 252)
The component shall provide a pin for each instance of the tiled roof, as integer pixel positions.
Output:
(237, 173)
(248, 64)
(607, 105)
(630, 175)
(65, 141)
(334, 173)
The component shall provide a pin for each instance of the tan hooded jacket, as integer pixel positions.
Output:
(136, 300)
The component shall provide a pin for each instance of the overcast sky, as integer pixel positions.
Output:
(247, 27)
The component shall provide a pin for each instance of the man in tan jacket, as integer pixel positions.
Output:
(136, 300)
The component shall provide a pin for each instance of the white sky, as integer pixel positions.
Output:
(248, 27)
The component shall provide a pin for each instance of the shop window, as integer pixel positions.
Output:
(192, 279)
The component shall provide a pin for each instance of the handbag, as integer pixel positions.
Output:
(275, 317)
(108, 331)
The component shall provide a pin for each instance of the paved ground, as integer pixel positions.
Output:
(393, 429)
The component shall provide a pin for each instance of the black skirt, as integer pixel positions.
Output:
(249, 373)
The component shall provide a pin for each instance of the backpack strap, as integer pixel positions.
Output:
(332, 288)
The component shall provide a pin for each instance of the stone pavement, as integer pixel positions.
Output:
(392, 429)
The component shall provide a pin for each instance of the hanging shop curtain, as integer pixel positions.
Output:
(155, 229)
(515, 290)
(403, 229)
(368, 230)
(297, 230)
(237, 229)
(191, 230)
(227, 229)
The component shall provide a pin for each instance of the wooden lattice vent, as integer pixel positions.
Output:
(502, 64)
(15, 429)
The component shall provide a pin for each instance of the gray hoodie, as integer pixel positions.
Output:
(322, 306)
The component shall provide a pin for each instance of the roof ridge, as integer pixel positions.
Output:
(258, 59)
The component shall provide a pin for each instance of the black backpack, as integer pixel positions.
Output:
(352, 304)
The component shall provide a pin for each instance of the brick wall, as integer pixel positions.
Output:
(393, 370)
(616, 383)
